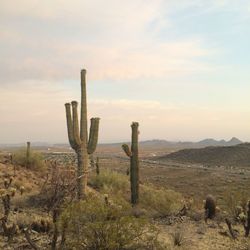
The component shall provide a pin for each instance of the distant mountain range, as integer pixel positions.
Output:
(201, 144)
(148, 143)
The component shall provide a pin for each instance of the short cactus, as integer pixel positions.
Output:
(134, 163)
(210, 207)
(78, 138)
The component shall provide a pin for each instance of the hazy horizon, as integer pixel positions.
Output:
(180, 69)
(121, 141)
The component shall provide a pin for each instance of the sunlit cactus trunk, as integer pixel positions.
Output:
(28, 155)
(134, 163)
(78, 137)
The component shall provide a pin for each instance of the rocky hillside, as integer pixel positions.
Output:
(238, 155)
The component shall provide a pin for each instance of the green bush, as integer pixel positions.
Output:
(35, 162)
(93, 224)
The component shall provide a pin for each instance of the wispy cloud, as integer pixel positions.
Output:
(115, 42)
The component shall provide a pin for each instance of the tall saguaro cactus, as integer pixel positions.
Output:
(134, 163)
(28, 155)
(78, 138)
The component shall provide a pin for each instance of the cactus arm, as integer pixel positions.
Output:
(83, 122)
(93, 135)
(75, 124)
(126, 149)
(70, 126)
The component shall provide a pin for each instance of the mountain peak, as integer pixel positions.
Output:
(235, 140)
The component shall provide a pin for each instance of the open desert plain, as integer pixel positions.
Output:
(174, 184)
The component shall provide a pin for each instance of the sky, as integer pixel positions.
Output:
(179, 68)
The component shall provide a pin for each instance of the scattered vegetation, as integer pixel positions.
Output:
(36, 160)
(157, 202)
(95, 224)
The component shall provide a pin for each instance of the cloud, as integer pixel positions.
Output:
(54, 39)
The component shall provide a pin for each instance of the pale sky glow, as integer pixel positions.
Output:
(179, 68)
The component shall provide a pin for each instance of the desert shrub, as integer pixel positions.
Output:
(58, 188)
(236, 203)
(161, 202)
(178, 237)
(94, 224)
(38, 223)
(35, 162)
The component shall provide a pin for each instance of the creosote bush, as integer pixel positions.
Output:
(36, 159)
(96, 224)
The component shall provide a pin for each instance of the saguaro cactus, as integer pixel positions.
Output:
(134, 163)
(28, 155)
(78, 139)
